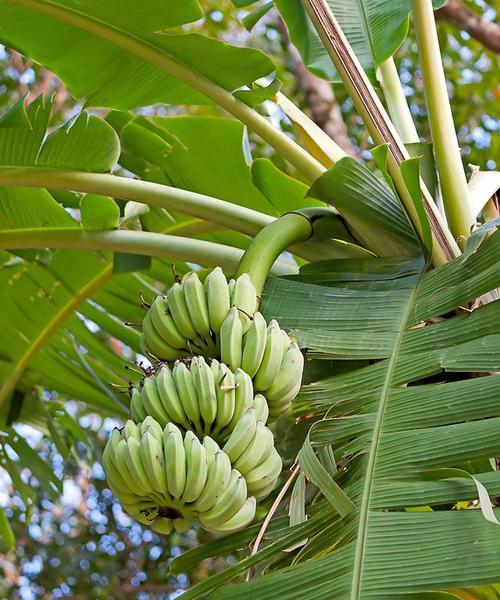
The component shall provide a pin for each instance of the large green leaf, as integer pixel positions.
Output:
(394, 426)
(374, 28)
(123, 54)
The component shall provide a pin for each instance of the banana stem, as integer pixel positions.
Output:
(388, 76)
(446, 148)
(274, 239)
(136, 242)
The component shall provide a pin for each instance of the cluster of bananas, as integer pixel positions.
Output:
(167, 480)
(208, 400)
(220, 319)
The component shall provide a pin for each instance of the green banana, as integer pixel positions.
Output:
(244, 298)
(278, 407)
(131, 430)
(254, 345)
(196, 468)
(153, 427)
(151, 401)
(175, 460)
(164, 323)
(218, 298)
(154, 463)
(257, 450)
(225, 388)
(136, 466)
(194, 294)
(243, 398)
(153, 344)
(231, 339)
(240, 520)
(260, 477)
(290, 373)
(121, 464)
(203, 379)
(169, 397)
(241, 436)
(179, 311)
(182, 525)
(228, 504)
(187, 391)
(271, 361)
(211, 448)
(261, 408)
(137, 411)
(163, 526)
(218, 477)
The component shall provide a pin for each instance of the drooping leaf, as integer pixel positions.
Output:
(389, 426)
(99, 212)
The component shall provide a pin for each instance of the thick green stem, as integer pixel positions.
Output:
(388, 76)
(214, 210)
(274, 239)
(289, 149)
(135, 242)
(446, 148)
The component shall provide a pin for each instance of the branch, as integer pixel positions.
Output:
(461, 16)
(135, 242)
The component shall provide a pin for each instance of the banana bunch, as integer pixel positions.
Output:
(208, 400)
(168, 480)
(220, 319)
(189, 318)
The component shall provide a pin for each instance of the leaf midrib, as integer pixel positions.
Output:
(359, 555)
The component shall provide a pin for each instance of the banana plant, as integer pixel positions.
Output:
(389, 290)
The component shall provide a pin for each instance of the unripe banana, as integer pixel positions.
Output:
(194, 294)
(196, 468)
(241, 436)
(121, 451)
(203, 379)
(290, 373)
(175, 460)
(278, 407)
(271, 361)
(264, 492)
(153, 344)
(154, 463)
(135, 465)
(218, 298)
(211, 448)
(137, 411)
(131, 430)
(151, 401)
(169, 397)
(218, 477)
(163, 526)
(164, 324)
(240, 520)
(244, 298)
(257, 451)
(243, 398)
(153, 427)
(182, 525)
(231, 339)
(225, 388)
(261, 408)
(187, 391)
(230, 502)
(254, 345)
(264, 474)
(179, 311)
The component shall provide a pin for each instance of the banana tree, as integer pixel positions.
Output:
(389, 289)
